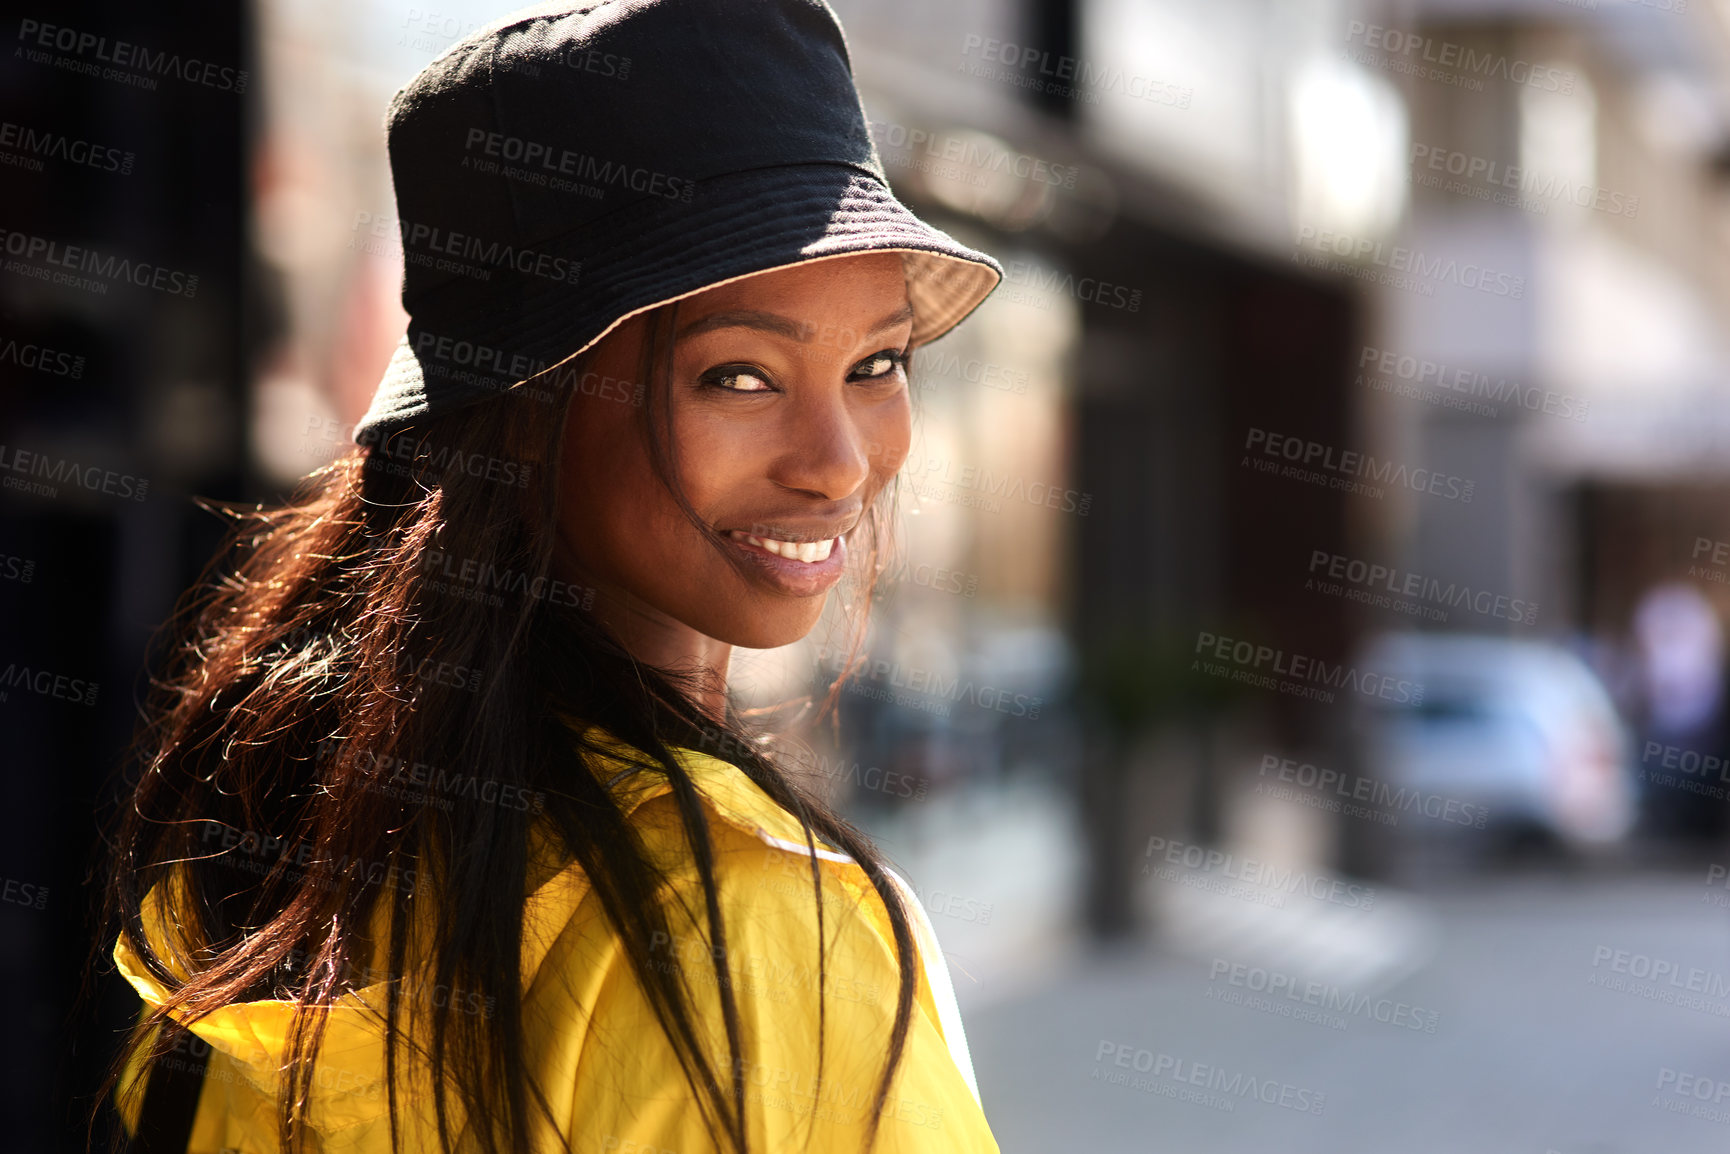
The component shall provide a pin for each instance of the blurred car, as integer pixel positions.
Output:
(1523, 729)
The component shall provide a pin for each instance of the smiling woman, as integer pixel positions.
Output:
(784, 439)
(446, 833)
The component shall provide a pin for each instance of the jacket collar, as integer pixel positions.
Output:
(632, 777)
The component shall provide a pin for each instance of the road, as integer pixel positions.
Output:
(1513, 1016)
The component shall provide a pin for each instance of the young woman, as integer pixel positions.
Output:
(446, 835)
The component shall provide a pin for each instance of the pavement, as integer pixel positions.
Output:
(1522, 1027)
(1540, 1011)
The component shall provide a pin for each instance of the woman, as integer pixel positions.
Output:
(446, 835)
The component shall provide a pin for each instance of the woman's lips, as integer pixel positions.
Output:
(788, 575)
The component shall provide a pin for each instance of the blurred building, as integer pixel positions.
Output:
(1139, 167)
(1575, 154)
(1461, 262)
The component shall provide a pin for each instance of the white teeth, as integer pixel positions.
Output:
(809, 552)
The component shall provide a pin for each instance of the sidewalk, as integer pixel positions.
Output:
(1519, 1033)
(998, 872)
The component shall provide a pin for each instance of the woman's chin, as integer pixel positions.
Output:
(771, 630)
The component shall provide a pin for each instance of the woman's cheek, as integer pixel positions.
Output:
(889, 436)
(715, 458)
(604, 484)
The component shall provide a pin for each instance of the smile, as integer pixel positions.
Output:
(809, 552)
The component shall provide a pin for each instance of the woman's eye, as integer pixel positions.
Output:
(737, 378)
(880, 364)
(745, 379)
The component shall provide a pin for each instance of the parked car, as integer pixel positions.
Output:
(1522, 729)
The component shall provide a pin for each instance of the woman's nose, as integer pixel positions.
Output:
(824, 452)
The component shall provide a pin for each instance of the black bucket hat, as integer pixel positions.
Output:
(572, 165)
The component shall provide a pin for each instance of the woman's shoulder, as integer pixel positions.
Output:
(770, 885)
(772, 889)
(775, 882)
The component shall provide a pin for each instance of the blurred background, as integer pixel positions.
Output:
(1301, 703)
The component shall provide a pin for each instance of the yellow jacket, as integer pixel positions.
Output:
(594, 1046)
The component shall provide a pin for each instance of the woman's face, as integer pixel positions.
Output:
(789, 413)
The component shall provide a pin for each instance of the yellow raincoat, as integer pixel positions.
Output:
(593, 1044)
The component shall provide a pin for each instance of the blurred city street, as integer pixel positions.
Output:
(1531, 1008)
(1528, 1055)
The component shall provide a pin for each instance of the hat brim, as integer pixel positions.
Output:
(470, 340)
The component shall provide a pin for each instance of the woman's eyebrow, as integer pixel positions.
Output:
(802, 331)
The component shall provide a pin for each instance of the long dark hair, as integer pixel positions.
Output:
(402, 607)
